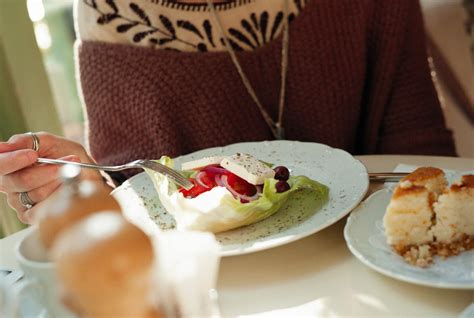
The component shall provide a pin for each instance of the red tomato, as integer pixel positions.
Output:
(205, 178)
(194, 191)
(240, 185)
(206, 182)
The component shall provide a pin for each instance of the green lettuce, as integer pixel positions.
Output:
(217, 210)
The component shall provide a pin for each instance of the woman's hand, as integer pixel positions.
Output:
(20, 173)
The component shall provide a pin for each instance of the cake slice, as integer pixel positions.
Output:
(453, 230)
(425, 218)
(409, 215)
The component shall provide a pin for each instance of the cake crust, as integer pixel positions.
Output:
(467, 182)
(403, 191)
(423, 174)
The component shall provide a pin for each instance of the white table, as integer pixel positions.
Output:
(318, 276)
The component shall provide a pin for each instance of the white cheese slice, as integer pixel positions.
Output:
(201, 163)
(248, 168)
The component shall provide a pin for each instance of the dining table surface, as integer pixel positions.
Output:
(317, 276)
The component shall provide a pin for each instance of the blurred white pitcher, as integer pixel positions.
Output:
(40, 278)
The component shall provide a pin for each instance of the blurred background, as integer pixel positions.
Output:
(38, 89)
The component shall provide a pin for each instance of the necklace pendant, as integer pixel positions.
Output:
(280, 133)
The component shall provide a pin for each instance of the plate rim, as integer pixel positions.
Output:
(395, 275)
(293, 238)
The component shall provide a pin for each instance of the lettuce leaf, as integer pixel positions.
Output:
(217, 210)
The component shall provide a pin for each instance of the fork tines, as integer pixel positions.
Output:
(173, 174)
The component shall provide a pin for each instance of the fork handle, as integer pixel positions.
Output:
(80, 164)
(392, 176)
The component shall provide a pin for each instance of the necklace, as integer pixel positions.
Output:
(276, 127)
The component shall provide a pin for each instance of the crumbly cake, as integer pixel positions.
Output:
(454, 225)
(425, 218)
(408, 217)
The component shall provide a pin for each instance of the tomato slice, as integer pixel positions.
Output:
(194, 191)
(240, 185)
(205, 181)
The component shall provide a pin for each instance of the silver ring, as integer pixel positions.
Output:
(36, 141)
(25, 200)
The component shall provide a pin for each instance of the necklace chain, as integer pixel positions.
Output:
(276, 127)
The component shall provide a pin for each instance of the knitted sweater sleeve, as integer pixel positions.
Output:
(407, 117)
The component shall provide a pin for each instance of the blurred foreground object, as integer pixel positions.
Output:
(188, 265)
(74, 201)
(105, 265)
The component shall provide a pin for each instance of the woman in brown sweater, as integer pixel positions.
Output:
(169, 77)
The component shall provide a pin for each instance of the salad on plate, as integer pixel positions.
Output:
(229, 191)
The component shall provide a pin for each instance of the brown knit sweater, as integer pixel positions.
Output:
(358, 79)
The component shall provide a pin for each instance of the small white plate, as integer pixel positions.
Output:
(366, 239)
(345, 176)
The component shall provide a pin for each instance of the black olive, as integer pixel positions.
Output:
(282, 173)
(282, 186)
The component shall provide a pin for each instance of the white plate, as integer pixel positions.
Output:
(365, 238)
(345, 176)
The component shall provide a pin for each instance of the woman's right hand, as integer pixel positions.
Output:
(20, 173)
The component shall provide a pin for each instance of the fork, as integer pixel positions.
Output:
(174, 175)
(387, 176)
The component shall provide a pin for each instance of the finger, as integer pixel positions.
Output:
(13, 201)
(38, 196)
(49, 145)
(31, 216)
(42, 193)
(29, 178)
(17, 142)
(5, 146)
(28, 216)
(16, 160)
(32, 177)
(52, 146)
